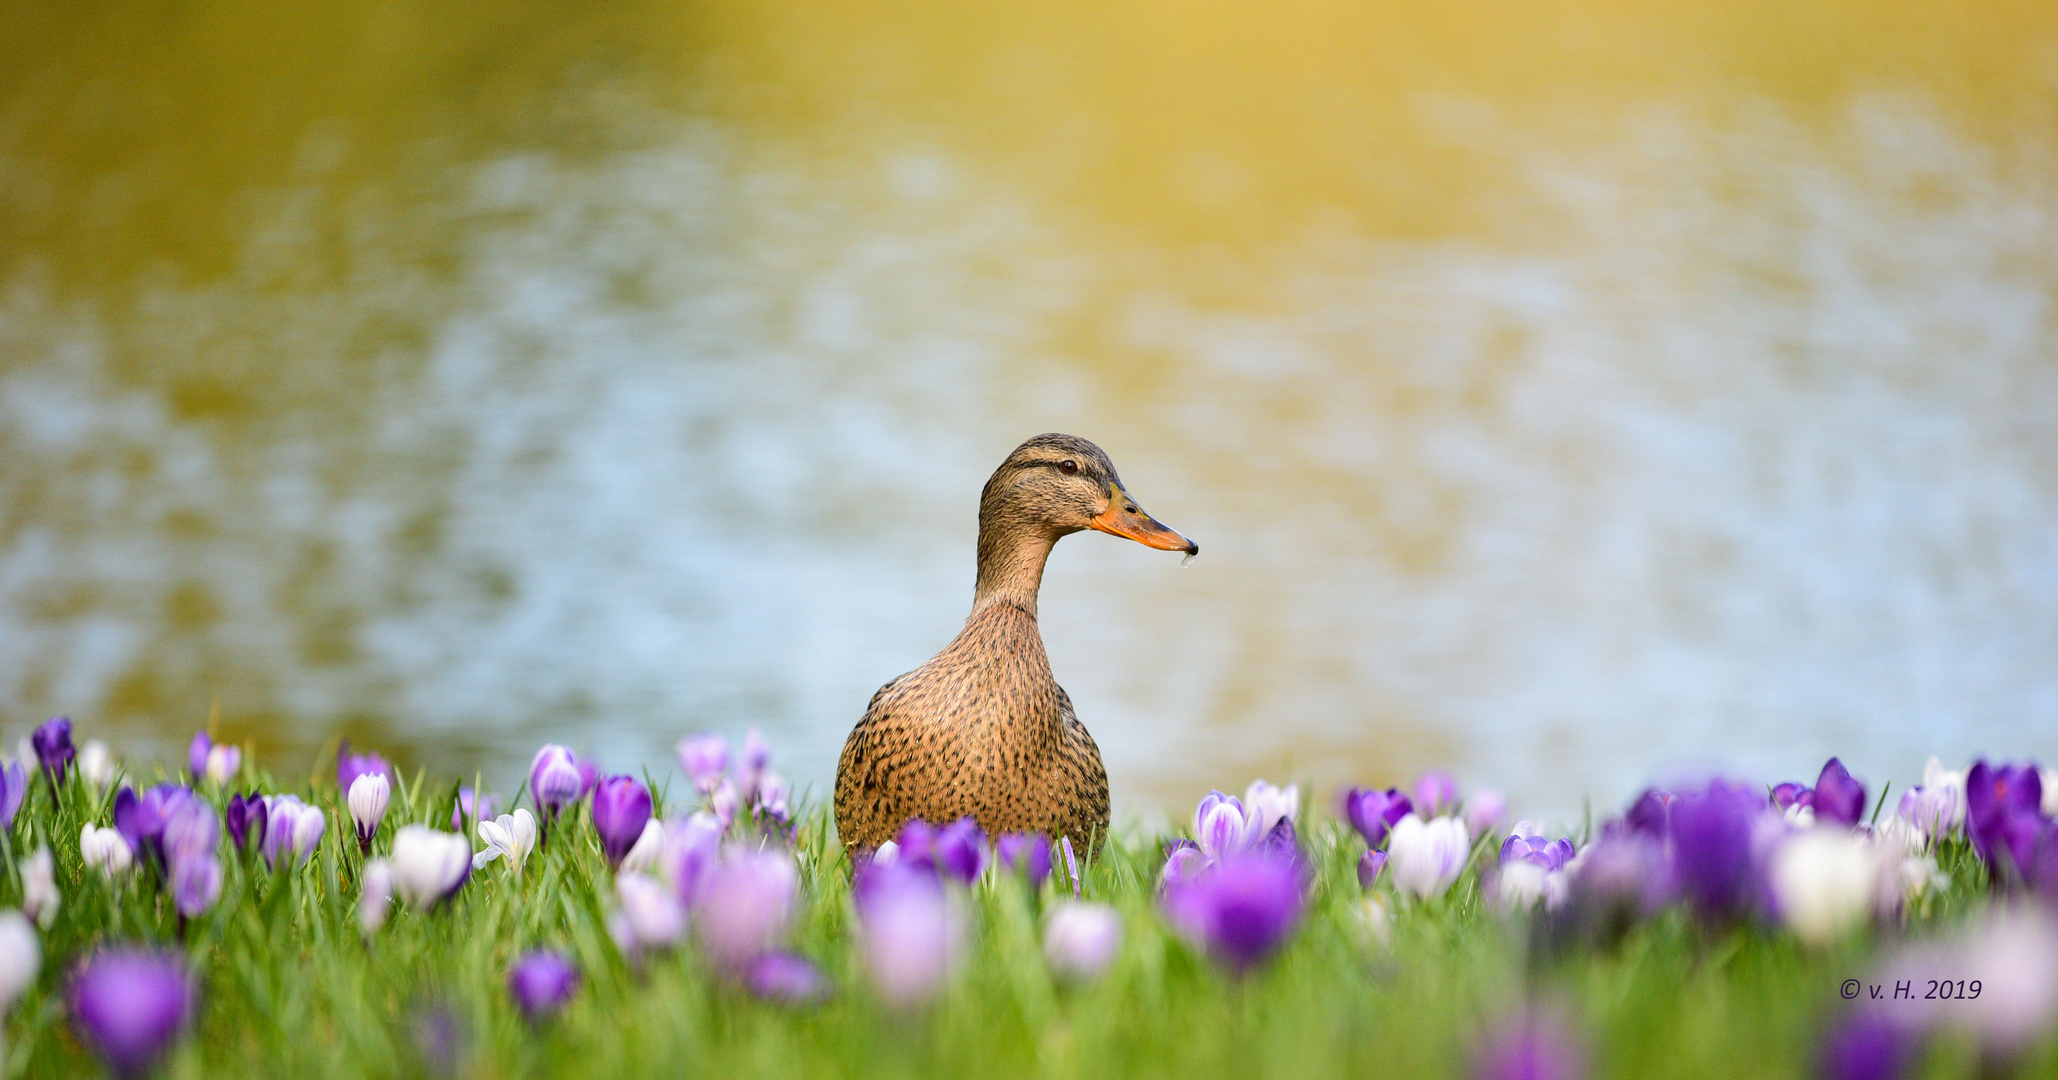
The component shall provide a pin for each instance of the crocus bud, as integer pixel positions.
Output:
(960, 850)
(53, 747)
(1824, 880)
(196, 755)
(1428, 856)
(104, 850)
(1184, 862)
(292, 830)
(621, 807)
(1239, 910)
(14, 786)
(368, 797)
(223, 763)
(746, 906)
(129, 1004)
(470, 809)
(1220, 826)
(1267, 806)
(554, 779)
(1711, 843)
(191, 831)
(1864, 1046)
(429, 865)
(651, 913)
(689, 853)
(246, 817)
(645, 856)
(785, 978)
(1025, 855)
(751, 765)
(39, 896)
(910, 930)
(196, 882)
(1839, 798)
(1081, 938)
(96, 765)
(541, 982)
(512, 835)
(1372, 813)
(1931, 811)
(1369, 866)
(21, 957)
(1484, 810)
(377, 898)
(704, 758)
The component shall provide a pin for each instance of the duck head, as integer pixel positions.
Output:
(1056, 484)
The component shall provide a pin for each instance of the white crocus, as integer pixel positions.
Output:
(39, 896)
(1519, 885)
(1825, 881)
(512, 835)
(428, 864)
(644, 855)
(377, 897)
(1937, 778)
(2050, 781)
(650, 913)
(223, 763)
(21, 957)
(105, 850)
(96, 765)
(1081, 938)
(1266, 806)
(1426, 857)
(369, 795)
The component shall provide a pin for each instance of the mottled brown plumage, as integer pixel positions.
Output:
(983, 729)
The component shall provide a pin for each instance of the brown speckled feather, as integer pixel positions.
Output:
(983, 729)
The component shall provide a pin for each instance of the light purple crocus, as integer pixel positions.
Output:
(470, 809)
(690, 850)
(746, 906)
(785, 978)
(1220, 826)
(1530, 1047)
(1183, 862)
(1372, 813)
(1436, 794)
(1026, 855)
(191, 831)
(1484, 811)
(751, 765)
(1933, 811)
(620, 810)
(14, 786)
(350, 766)
(196, 755)
(196, 883)
(1369, 866)
(1788, 795)
(53, 747)
(541, 982)
(1240, 910)
(128, 1004)
(910, 930)
(292, 831)
(1548, 854)
(704, 758)
(1839, 797)
(555, 781)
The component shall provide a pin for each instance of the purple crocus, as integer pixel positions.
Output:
(1436, 793)
(1788, 795)
(1711, 847)
(1373, 812)
(1369, 866)
(1240, 910)
(621, 808)
(191, 831)
(53, 747)
(1025, 855)
(1548, 854)
(1184, 862)
(555, 781)
(14, 786)
(1864, 1046)
(470, 809)
(1530, 1047)
(1839, 797)
(128, 1004)
(196, 755)
(910, 931)
(2004, 814)
(704, 758)
(350, 766)
(292, 830)
(746, 906)
(957, 850)
(141, 820)
(1651, 813)
(688, 856)
(196, 883)
(541, 982)
(785, 978)
(1623, 878)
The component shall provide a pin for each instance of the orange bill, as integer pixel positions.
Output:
(1126, 519)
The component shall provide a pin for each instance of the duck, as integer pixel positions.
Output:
(983, 730)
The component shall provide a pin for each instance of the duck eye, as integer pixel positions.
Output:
(1068, 467)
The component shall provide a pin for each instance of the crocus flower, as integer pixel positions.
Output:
(21, 957)
(1824, 881)
(471, 808)
(1268, 806)
(141, 819)
(2049, 779)
(620, 810)
(1240, 909)
(292, 830)
(1220, 826)
(1071, 865)
(1548, 854)
(129, 1004)
(368, 796)
(1436, 794)
(704, 758)
(1026, 855)
(554, 780)
(429, 865)
(1933, 812)
(1484, 811)
(39, 896)
(651, 916)
(14, 785)
(1788, 795)
(1839, 798)
(751, 766)
(1651, 813)
(910, 930)
(96, 764)
(196, 883)
(1369, 866)
(104, 850)
(208, 760)
(541, 982)
(246, 818)
(196, 755)
(512, 835)
(191, 831)
(1373, 813)
(1864, 1046)
(1711, 847)
(646, 855)
(377, 896)
(2004, 814)
(1520, 885)
(1183, 862)
(1428, 856)
(1081, 938)
(53, 747)
(1529, 1047)
(350, 766)
(960, 850)
(691, 847)
(746, 906)
(786, 979)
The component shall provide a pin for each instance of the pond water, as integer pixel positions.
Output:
(1561, 401)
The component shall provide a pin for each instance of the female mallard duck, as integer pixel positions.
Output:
(982, 729)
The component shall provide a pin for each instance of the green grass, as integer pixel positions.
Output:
(289, 987)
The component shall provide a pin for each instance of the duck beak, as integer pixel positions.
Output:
(1126, 519)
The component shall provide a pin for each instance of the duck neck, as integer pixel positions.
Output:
(1011, 566)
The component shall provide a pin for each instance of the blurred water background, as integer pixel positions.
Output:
(1560, 393)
